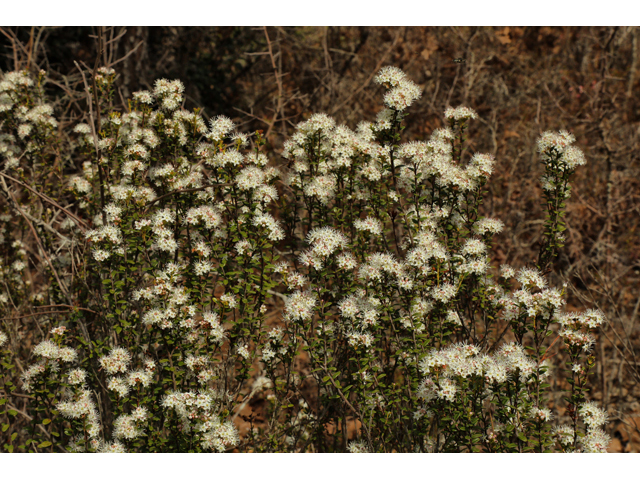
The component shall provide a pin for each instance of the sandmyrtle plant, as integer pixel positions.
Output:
(162, 275)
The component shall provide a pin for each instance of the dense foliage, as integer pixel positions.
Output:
(184, 276)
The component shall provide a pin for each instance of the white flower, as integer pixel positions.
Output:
(243, 247)
(443, 293)
(220, 127)
(460, 113)
(541, 414)
(169, 92)
(473, 246)
(317, 122)
(274, 230)
(596, 441)
(360, 339)
(390, 75)
(24, 130)
(299, 306)
(593, 416)
(249, 178)
(119, 385)
(358, 447)
(369, 224)
(82, 128)
(77, 376)
(202, 267)
(488, 225)
(47, 349)
(243, 351)
(18, 265)
(403, 95)
(143, 96)
(142, 377)
(322, 187)
(124, 427)
(346, 261)
(531, 277)
(112, 447)
(229, 299)
(116, 362)
(260, 384)
(325, 241)
(507, 271)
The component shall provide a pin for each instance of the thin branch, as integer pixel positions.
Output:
(128, 54)
(185, 190)
(30, 418)
(279, 82)
(37, 238)
(48, 200)
(68, 306)
(95, 141)
(373, 73)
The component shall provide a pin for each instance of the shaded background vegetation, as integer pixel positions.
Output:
(521, 81)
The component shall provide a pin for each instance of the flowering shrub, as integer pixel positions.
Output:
(181, 277)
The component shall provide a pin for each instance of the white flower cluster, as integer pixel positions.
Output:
(77, 376)
(50, 351)
(211, 323)
(334, 148)
(596, 440)
(116, 362)
(134, 379)
(460, 113)
(490, 226)
(576, 326)
(360, 308)
(30, 118)
(378, 265)
(82, 406)
(168, 304)
(127, 427)
(324, 242)
(111, 447)
(196, 411)
(272, 227)
(298, 307)
(434, 160)
(33, 371)
(220, 127)
(358, 447)
(80, 185)
(369, 224)
(402, 92)
(558, 145)
(106, 240)
(445, 369)
(274, 345)
(322, 187)
(544, 302)
(168, 93)
(360, 339)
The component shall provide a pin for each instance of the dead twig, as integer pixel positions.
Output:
(48, 200)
